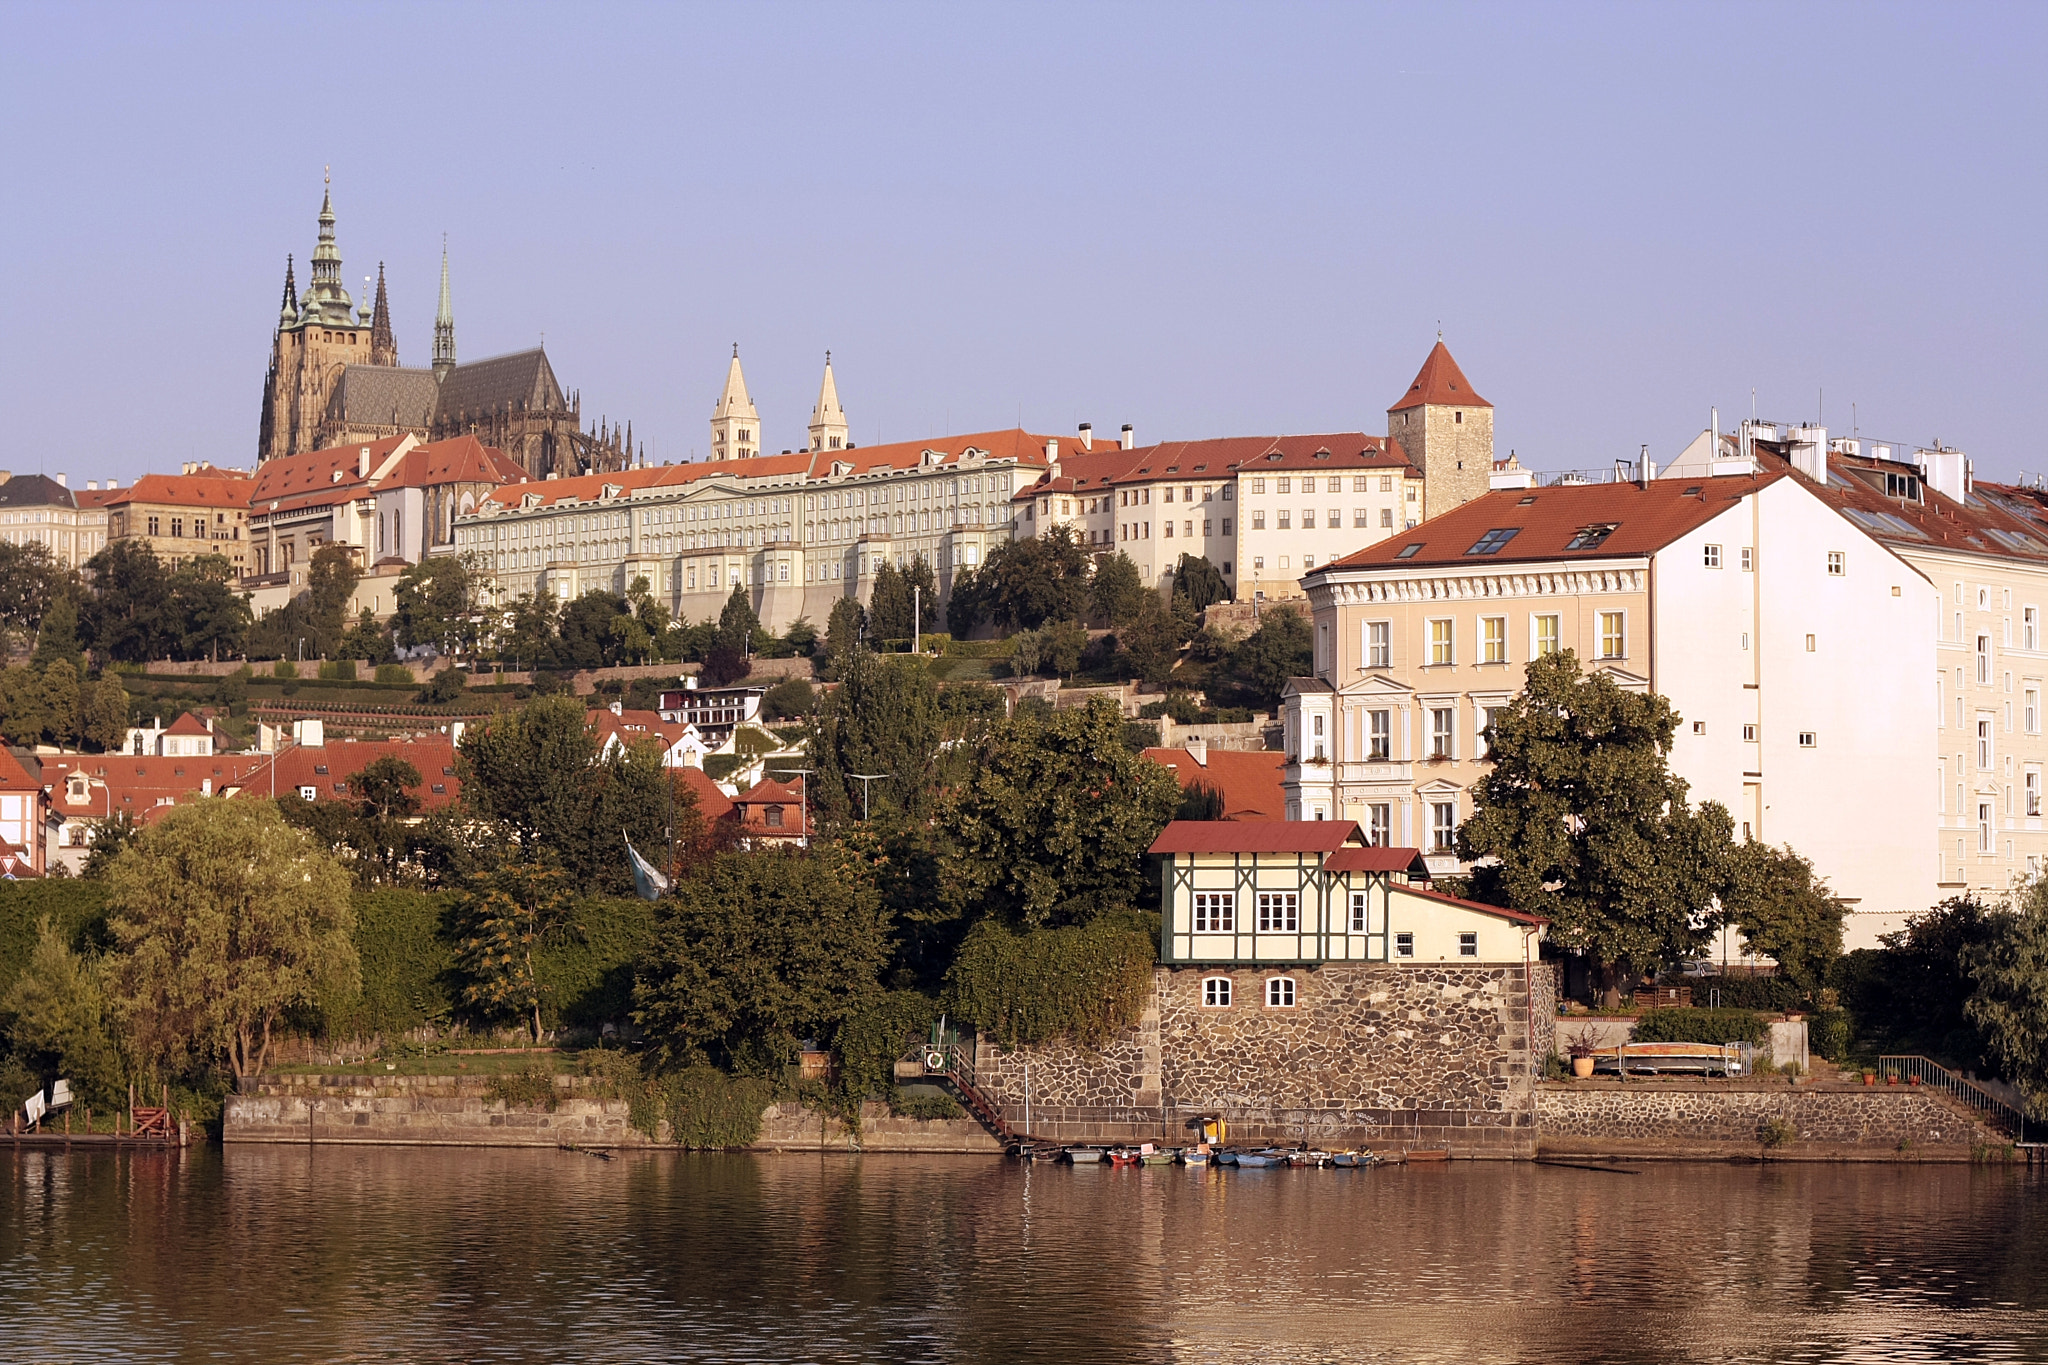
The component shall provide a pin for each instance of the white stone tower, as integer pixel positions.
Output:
(828, 419)
(735, 426)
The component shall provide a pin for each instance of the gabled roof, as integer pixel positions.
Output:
(220, 489)
(142, 785)
(768, 792)
(14, 777)
(1378, 859)
(1545, 522)
(1338, 452)
(189, 724)
(1440, 383)
(522, 379)
(384, 396)
(459, 459)
(712, 802)
(1256, 836)
(1014, 444)
(331, 767)
(316, 476)
(1248, 780)
(1501, 911)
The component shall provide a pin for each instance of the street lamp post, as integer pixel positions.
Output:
(864, 779)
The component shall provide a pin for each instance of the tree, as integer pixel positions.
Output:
(882, 718)
(386, 788)
(845, 630)
(532, 631)
(889, 604)
(1784, 911)
(125, 616)
(508, 916)
(585, 630)
(1199, 582)
(802, 637)
(60, 702)
(790, 699)
(756, 952)
(208, 617)
(1581, 820)
(2009, 1005)
(368, 641)
(103, 714)
(726, 661)
(1053, 825)
(1281, 648)
(923, 589)
(30, 581)
(59, 1016)
(438, 602)
(57, 637)
(224, 918)
(1151, 640)
(1116, 590)
(1025, 583)
(105, 838)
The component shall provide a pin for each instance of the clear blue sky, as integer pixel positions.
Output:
(1201, 220)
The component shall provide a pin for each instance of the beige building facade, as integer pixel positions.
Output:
(38, 509)
(181, 517)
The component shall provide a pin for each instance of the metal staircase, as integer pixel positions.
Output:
(949, 1057)
(1932, 1074)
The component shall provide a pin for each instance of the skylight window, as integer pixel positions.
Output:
(2012, 540)
(1492, 542)
(1591, 537)
(1526, 501)
(1409, 551)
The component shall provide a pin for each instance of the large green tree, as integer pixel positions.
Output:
(59, 1017)
(1784, 911)
(884, 718)
(1053, 825)
(1199, 582)
(439, 602)
(126, 616)
(30, 580)
(1025, 583)
(224, 919)
(1281, 648)
(1116, 590)
(2009, 1005)
(501, 924)
(758, 951)
(1581, 820)
(210, 618)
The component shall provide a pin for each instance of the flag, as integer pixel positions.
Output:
(646, 879)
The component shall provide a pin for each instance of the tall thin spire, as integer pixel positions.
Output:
(828, 419)
(326, 299)
(289, 313)
(444, 321)
(383, 346)
(735, 425)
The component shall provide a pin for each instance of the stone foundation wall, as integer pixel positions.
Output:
(1682, 1118)
(422, 1111)
(793, 1128)
(1433, 1056)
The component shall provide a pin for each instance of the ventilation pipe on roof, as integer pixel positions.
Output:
(1645, 471)
(363, 462)
(1087, 436)
(1946, 470)
(1129, 439)
(1198, 750)
(1808, 448)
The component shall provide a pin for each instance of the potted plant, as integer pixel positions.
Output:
(1582, 1048)
(1869, 1077)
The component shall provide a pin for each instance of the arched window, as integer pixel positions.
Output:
(1216, 992)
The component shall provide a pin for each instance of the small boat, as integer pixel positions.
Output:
(1257, 1159)
(1194, 1156)
(1123, 1156)
(1352, 1160)
(1158, 1156)
(1308, 1158)
(1226, 1157)
(1086, 1156)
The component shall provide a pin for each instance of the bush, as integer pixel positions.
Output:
(1828, 1032)
(395, 673)
(76, 908)
(444, 687)
(284, 668)
(1699, 1026)
(534, 1085)
(1090, 982)
(871, 1040)
(927, 1107)
(977, 649)
(1772, 994)
(789, 699)
(1777, 1132)
(339, 670)
(405, 962)
(587, 979)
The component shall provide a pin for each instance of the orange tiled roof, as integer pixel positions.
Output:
(188, 724)
(1440, 383)
(1247, 779)
(185, 490)
(1338, 451)
(14, 777)
(1256, 836)
(329, 768)
(1014, 444)
(310, 477)
(712, 802)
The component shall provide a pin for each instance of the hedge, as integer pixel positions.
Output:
(1089, 982)
(1699, 1026)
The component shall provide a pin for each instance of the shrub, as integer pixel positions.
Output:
(444, 687)
(1089, 982)
(395, 673)
(405, 963)
(871, 1040)
(339, 670)
(789, 699)
(1828, 1032)
(533, 1085)
(977, 649)
(1699, 1026)
(927, 1107)
(77, 909)
(1777, 1132)
(1774, 994)
(284, 668)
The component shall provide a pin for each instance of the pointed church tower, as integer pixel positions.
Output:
(1446, 430)
(289, 314)
(326, 299)
(735, 426)
(383, 346)
(828, 419)
(444, 322)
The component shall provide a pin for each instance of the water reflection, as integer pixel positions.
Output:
(292, 1254)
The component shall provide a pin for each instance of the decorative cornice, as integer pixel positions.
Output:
(1576, 581)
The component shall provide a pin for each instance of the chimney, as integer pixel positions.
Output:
(1198, 750)
(63, 481)
(1087, 436)
(1808, 448)
(1645, 471)
(1129, 439)
(1945, 470)
(92, 485)
(1052, 450)
(363, 463)
(618, 708)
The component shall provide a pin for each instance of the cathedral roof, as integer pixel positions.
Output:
(1439, 383)
(523, 378)
(384, 396)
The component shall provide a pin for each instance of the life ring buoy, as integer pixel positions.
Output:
(934, 1060)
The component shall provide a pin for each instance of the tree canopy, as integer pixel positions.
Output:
(884, 717)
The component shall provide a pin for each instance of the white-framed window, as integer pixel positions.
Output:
(1379, 824)
(2032, 790)
(1711, 556)
(1983, 659)
(1404, 945)
(1379, 644)
(1809, 740)
(1487, 716)
(1442, 732)
(1215, 912)
(1836, 564)
(1983, 826)
(308, 793)
(1358, 907)
(2032, 711)
(1280, 992)
(1258, 518)
(1216, 992)
(2030, 628)
(1613, 635)
(1442, 641)
(1749, 734)
(1748, 558)
(1279, 912)
(1984, 743)
(1386, 518)
(1468, 944)
(1443, 825)
(1380, 737)
(1546, 636)
(1493, 639)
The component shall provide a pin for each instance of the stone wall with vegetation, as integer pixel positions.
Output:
(1619, 1117)
(425, 1111)
(1372, 1055)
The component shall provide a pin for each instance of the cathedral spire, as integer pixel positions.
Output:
(828, 419)
(383, 346)
(289, 313)
(444, 321)
(735, 425)
(326, 299)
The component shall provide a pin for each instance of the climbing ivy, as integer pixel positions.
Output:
(1090, 981)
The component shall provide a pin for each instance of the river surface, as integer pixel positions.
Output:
(369, 1254)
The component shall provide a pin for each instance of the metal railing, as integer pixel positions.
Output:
(1928, 1072)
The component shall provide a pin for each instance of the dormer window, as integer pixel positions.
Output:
(1591, 537)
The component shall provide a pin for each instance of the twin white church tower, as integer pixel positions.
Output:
(736, 424)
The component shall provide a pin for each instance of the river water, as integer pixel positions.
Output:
(382, 1254)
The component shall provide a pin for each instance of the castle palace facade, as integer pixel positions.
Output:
(335, 380)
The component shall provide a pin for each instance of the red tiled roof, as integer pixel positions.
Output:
(1378, 859)
(301, 765)
(1440, 383)
(460, 459)
(309, 477)
(1519, 916)
(1338, 450)
(141, 785)
(1014, 444)
(2004, 520)
(97, 497)
(768, 792)
(712, 802)
(215, 490)
(631, 726)
(1255, 836)
(1546, 520)
(14, 777)
(1247, 779)
(188, 724)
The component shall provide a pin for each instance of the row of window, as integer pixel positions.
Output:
(1279, 911)
(1360, 483)
(1361, 519)
(1545, 638)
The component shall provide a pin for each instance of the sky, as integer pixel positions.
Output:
(1203, 220)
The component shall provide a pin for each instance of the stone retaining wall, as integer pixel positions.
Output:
(422, 1111)
(1716, 1118)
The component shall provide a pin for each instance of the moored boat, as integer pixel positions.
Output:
(1194, 1156)
(1123, 1156)
(1086, 1156)
(1256, 1160)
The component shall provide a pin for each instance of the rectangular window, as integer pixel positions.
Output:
(1835, 564)
(1611, 635)
(1487, 716)
(1808, 740)
(1280, 992)
(1984, 744)
(1380, 742)
(1336, 518)
(1493, 639)
(1712, 556)
(1216, 992)
(1308, 518)
(1983, 826)
(1258, 518)
(1983, 658)
(1749, 734)
(1443, 825)
(1281, 520)
(1215, 912)
(1279, 912)
(2030, 629)
(1379, 644)
(1442, 720)
(1468, 944)
(2032, 713)
(1282, 486)
(1387, 518)
(1379, 817)
(1358, 902)
(1404, 945)
(1361, 518)
(2033, 790)
(1258, 485)
(1748, 559)
(1548, 636)
(1441, 641)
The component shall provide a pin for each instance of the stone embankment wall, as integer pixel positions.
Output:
(1432, 1056)
(792, 1128)
(1786, 1041)
(422, 1111)
(1719, 1118)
